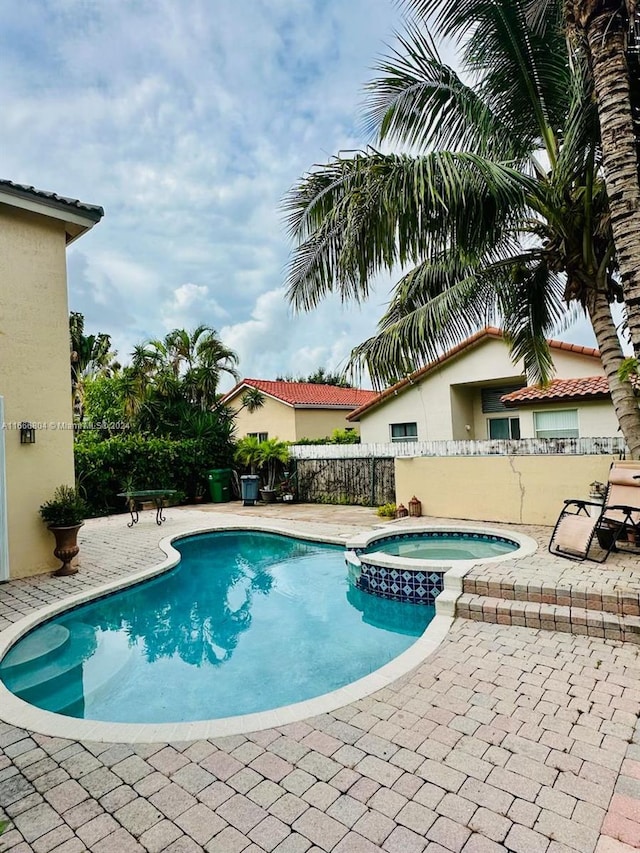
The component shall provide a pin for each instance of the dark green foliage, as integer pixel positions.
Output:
(338, 436)
(319, 377)
(104, 466)
(65, 509)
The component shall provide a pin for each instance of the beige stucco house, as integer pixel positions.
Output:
(35, 229)
(475, 391)
(294, 410)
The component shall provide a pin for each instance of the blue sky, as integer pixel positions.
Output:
(188, 122)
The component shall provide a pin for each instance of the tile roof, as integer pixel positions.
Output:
(584, 388)
(487, 332)
(306, 394)
(91, 211)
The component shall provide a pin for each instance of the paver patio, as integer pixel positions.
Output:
(506, 738)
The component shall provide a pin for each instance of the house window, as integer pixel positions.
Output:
(491, 397)
(404, 432)
(503, 427)
(562, 423)
(261, 436)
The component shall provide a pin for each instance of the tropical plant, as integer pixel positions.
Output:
(248, 452)
(65, 509)
(185, 364)
(505, 218)
(170, 389)
(273, 456)
(91, 355)
(607, 32)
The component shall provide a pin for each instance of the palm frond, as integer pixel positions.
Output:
(357, 216)
(521, 72)
(421, 102)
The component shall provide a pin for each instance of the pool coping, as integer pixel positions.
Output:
(20, 713)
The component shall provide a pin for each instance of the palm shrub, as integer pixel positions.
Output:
(273, 456)
(248, 452)
(493, 205)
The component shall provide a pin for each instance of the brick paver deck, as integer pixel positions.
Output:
(506, 738)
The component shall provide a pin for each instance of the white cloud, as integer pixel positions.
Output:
(188, 122)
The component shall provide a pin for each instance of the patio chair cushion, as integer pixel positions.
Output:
(574, 533)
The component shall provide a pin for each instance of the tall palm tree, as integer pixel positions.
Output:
(91, 356)
(604, 29)
(504, 218)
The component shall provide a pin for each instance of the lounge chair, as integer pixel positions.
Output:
(613, 523)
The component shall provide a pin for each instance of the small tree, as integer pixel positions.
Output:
(273, 454)
(248, 452)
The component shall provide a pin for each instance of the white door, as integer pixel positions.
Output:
(4, 535)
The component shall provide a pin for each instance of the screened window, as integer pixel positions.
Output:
(504, 428)
(404, 432)
(261, 436)
(559, 424)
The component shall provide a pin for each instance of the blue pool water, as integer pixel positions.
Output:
(449, 545)
(246, 622)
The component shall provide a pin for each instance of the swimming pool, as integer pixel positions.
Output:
(246, 622)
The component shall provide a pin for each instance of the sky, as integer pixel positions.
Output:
(188, 122)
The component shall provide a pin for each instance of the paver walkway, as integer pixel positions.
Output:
(506, 738)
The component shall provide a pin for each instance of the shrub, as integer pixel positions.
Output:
(65, 509)
(387, 510)
(103, 467)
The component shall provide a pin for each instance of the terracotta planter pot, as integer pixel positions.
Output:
(66, 548)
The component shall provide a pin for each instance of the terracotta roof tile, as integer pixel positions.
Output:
(487, 332)
(584, 388)
(306, 394)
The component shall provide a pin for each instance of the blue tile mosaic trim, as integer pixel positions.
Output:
(435, 534)
(401, 584)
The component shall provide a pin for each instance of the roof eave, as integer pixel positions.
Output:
(77, 220)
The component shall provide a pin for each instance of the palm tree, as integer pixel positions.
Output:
(603, 29)
(91, 356)
(183, 369)
(505, 218)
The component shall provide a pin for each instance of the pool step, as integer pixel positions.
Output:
(597, 595)
(41, 682)
(552, 617)
(35, 649)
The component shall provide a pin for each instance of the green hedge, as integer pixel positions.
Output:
(105, 467)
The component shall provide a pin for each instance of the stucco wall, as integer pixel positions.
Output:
(511, 489)
(429, 402)
(34, 378)
(275, 418)
(446, 400)
(320, 423)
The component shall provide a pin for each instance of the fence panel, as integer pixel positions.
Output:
(366, 481)
(497, 447)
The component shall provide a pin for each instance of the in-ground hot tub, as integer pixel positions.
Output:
(410, 563)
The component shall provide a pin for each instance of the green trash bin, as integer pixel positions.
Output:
(219, 484)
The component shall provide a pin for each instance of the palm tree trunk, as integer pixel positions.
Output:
(604, 28)
(624, 400)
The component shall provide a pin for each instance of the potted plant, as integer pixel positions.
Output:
(274, 454)
(64, 515)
